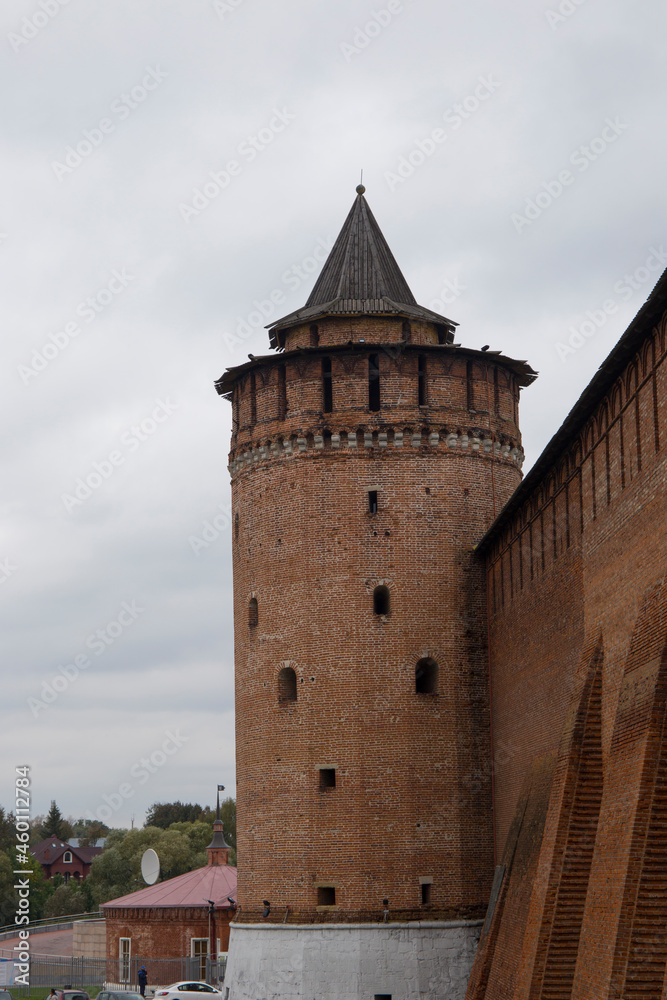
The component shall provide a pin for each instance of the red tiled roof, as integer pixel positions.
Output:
(86, 853)
(215, 882)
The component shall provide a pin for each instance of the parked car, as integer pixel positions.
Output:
(119, 995)
(5, 995)
(188, 991)
(68, 994)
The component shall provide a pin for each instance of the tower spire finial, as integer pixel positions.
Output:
(360, 185)
(218, 849)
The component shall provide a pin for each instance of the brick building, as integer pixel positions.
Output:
(449, 683)
(187, 916)
(58, 858)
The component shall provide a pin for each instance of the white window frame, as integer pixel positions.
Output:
(67, 858)
(202, 956)
(124, 959)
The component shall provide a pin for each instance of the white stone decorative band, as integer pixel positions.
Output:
(467, 441)
(392, 925)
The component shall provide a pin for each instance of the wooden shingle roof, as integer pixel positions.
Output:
(360, 277)
(360, 265)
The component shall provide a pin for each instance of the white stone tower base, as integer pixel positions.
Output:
(428, 960)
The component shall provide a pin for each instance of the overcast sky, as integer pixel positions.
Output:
(168, 167)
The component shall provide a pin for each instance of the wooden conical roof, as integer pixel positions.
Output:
(360, 277)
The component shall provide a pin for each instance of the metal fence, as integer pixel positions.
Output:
(94, 974)
(52, 923)
(78, 973)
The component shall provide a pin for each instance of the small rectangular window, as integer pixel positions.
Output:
(327, 777)
(470, 390)
(372, 501)
(282, 392)
(327, 386)
(421, 381)
(253, 613)
(236, 408)
(374, 382)
(382, 996)
(426, 888)
(326, 895)
(253, 400)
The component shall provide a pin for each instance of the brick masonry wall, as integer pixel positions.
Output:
(74, 869)
(578, 562)
(162, 933)
(338, 330)
(498, 958)
(411, 801)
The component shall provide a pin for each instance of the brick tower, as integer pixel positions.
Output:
(369, 454)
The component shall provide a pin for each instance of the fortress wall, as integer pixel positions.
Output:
(578, 567)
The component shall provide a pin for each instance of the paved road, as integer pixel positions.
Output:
(48, 943)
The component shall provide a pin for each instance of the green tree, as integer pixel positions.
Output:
(176, 854)
(55, 825)
(8, 897)
(7, 830)
(88, 895)
(65, 900)
(199, 834)
(41, 888)
(89, 831)
(163, 814)
(111, 876)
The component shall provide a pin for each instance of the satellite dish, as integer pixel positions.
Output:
(150, 867)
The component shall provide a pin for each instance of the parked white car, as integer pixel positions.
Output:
(188, 991)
